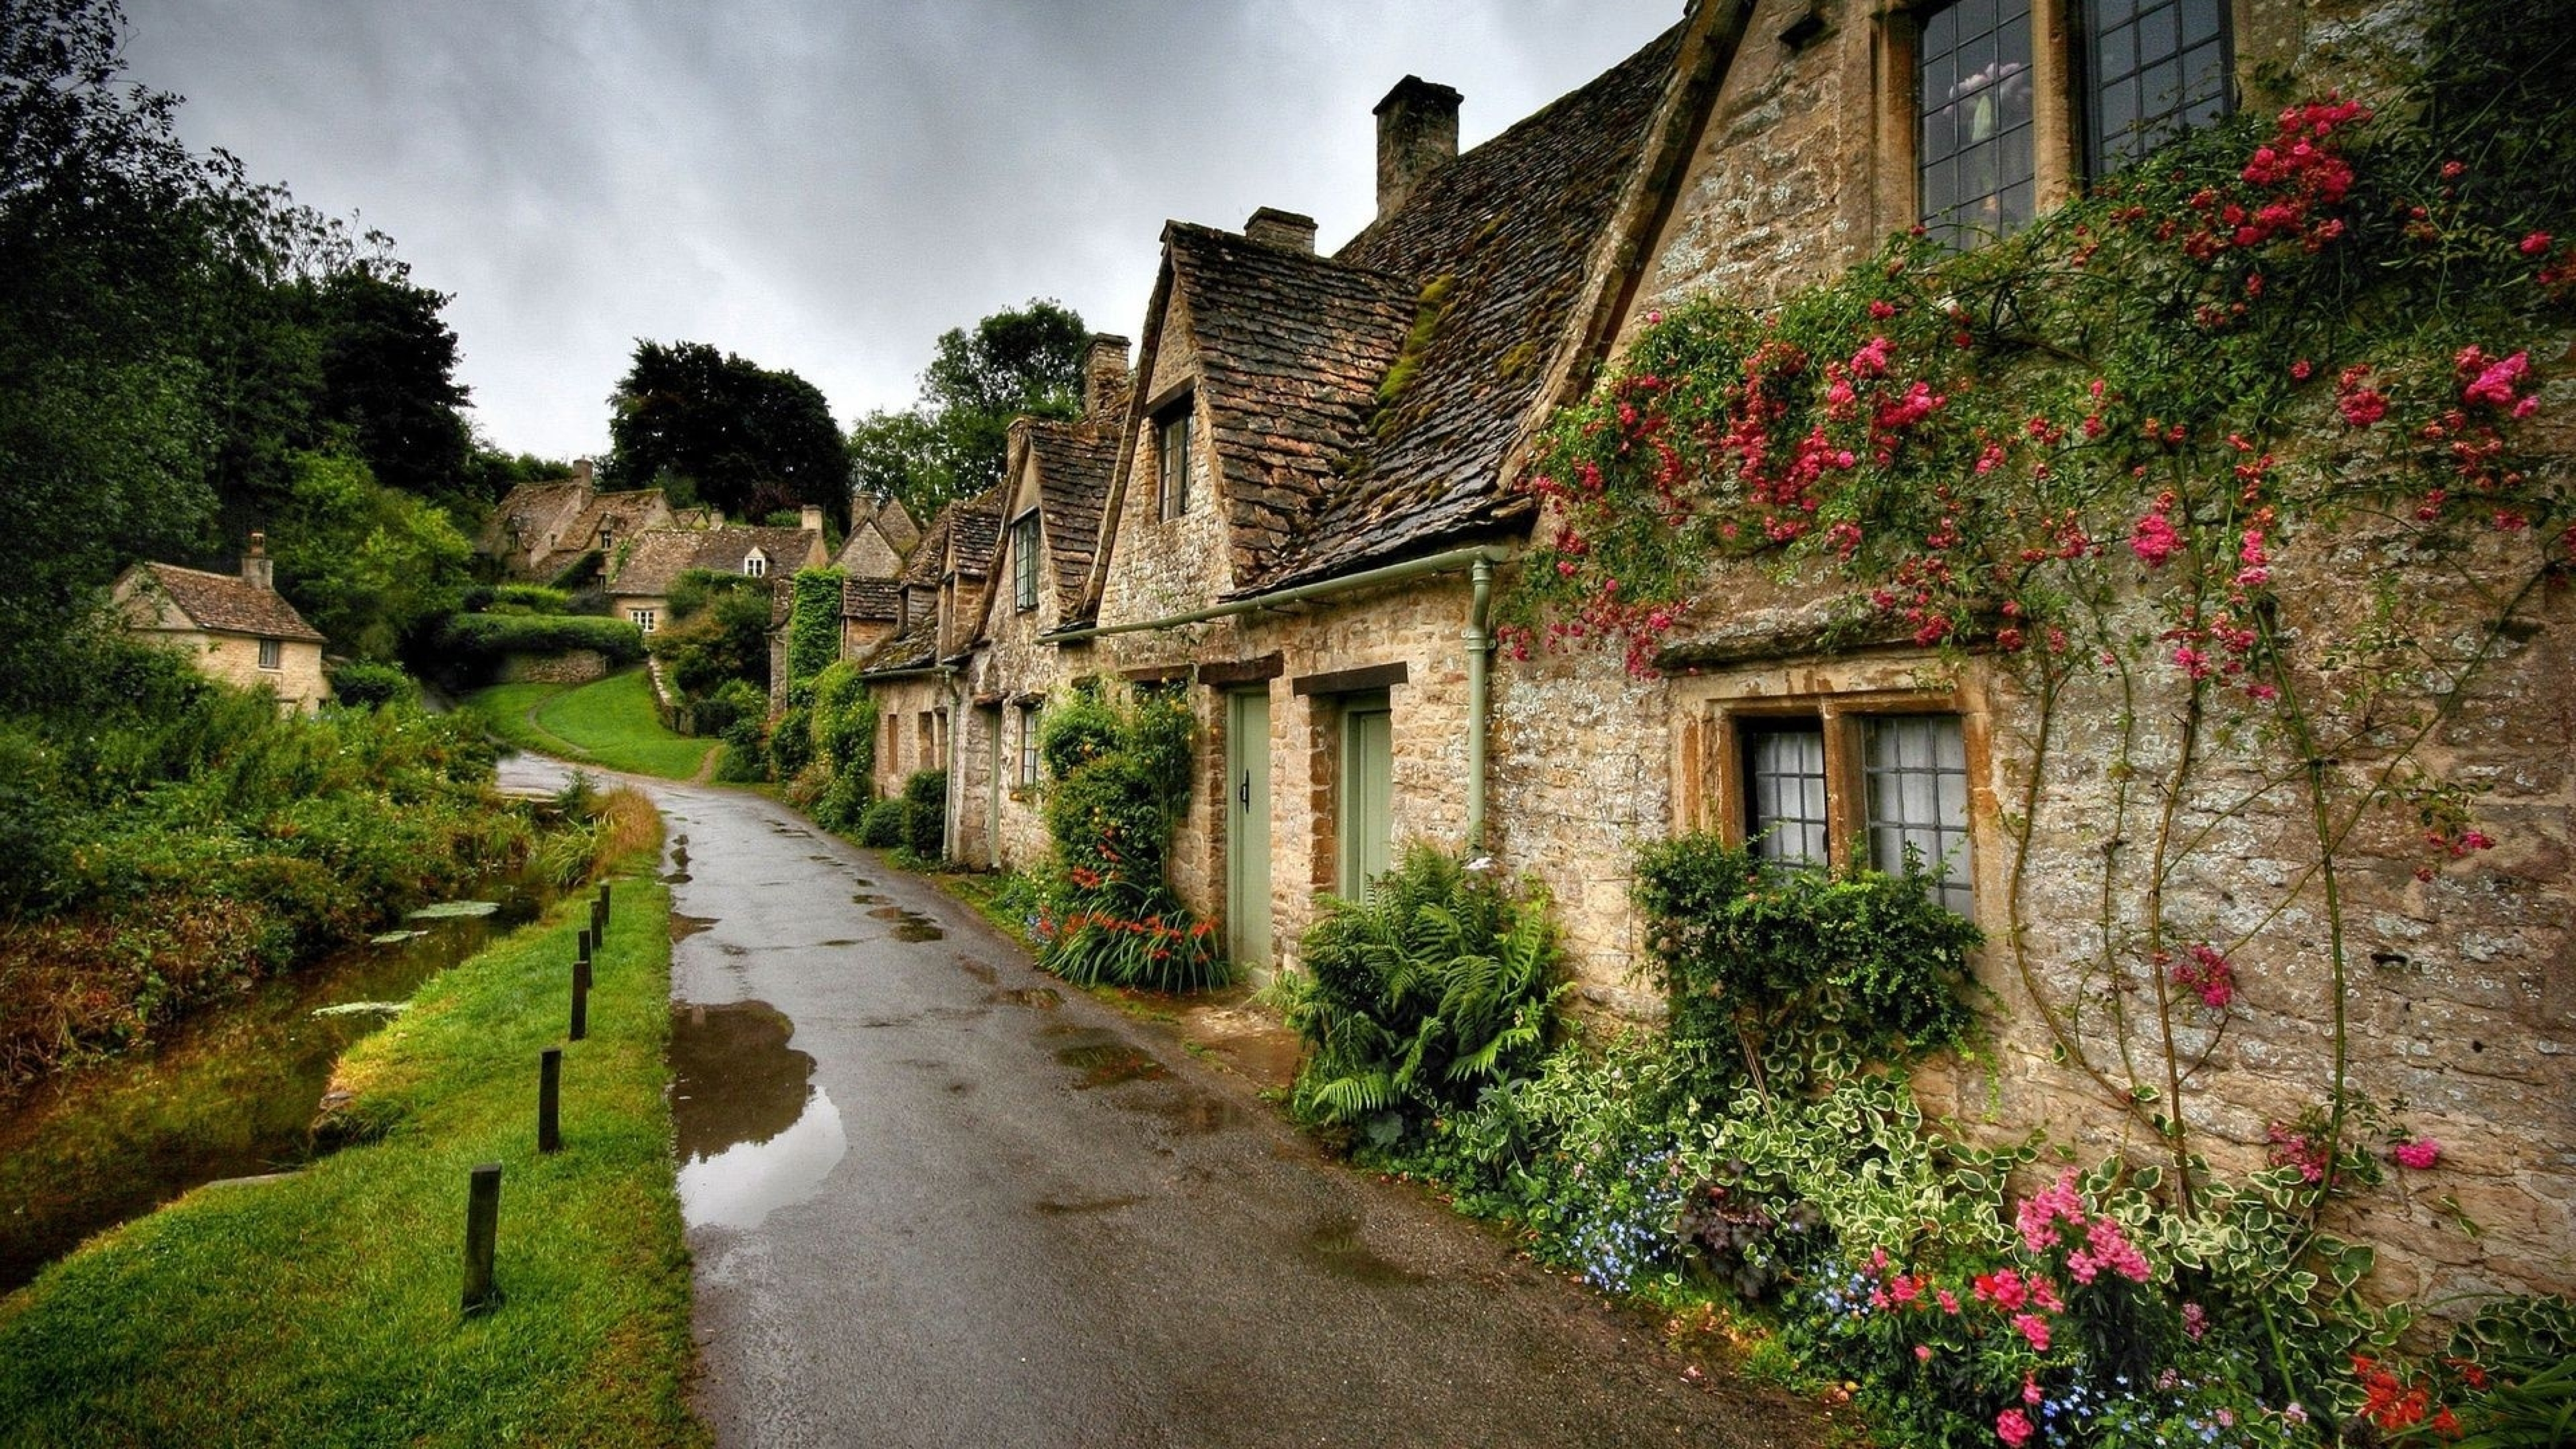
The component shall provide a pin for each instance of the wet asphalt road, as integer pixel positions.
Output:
(936, 1200)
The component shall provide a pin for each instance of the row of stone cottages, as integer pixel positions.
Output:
(1297, 507)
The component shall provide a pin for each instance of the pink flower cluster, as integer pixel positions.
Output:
(2418, 1154)
(2361, 406)
(2496, 384)
(2293, 1148)
(2105, 1245)
(2208, 973)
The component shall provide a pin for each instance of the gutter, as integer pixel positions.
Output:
(1478, 638)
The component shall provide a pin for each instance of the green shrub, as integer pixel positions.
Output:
(882, 825)
(1411, 1002)
(744, 759)
(1787, 974)
(360, 684)
(925, 818)
(814, 624)
(738, 699)
(515, 599)
(482, 639)
(791, 742)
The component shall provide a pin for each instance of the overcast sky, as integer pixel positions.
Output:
(820, 186)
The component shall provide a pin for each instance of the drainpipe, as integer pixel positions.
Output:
(948, 797)
(1480, 649)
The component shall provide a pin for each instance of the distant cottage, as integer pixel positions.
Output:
(233, 627)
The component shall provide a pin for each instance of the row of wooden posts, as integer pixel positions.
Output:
(483, 1185)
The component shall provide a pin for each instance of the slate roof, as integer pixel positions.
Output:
(875, 600)
(1074, 462)
(975, 530)
(660, 555)
(225, 603)
(1291, 349)
(1498, 241)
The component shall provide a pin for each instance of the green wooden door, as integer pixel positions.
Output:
(1368, 791)
(1247, 828)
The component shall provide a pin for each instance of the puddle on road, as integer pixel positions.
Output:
(1192, 1115)
(861, 880)
(678, 874)
(1036, 998)
(981, 971)
(1108, 1064)
(840, 941)
(683, 927)
(865, 898)
(910, 925)
(755, 1133)
(1335, 1243)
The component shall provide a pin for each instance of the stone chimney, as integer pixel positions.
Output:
(1104, 371)
(810, 518)
(581, 471)
(1417, 131)
(258, 569)
(1275, 228)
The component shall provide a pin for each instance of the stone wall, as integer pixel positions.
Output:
(297, 682)
(573, 666)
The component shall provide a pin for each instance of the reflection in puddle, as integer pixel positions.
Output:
(755, 1134)
(1036, 998)
(980, 970)
(1194, 1115)
(866, 898)
(1336, 1244)
(1106, 1064)
(683, 927)
(894, 913)
(919, 931)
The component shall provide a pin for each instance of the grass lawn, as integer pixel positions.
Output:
(609, 722)
(323, 1308)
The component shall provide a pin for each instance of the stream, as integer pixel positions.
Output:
(230, 1092)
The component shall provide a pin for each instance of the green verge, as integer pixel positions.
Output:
(324, 1308)
(609, 722)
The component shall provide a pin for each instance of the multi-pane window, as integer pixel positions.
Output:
(1880, 789)
(2156, 69)
(754, 565)
(1028, 745)
(1916, 770)
(1172, 458)
(1974, 158)
(272, 654)
(1024, 562)
(1784, 777)
(642, 619)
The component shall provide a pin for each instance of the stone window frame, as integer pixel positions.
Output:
(2061, 101)
(1718, 710)
(1024, 768)
(272, 654)
(1024, 562)
(1175, 429)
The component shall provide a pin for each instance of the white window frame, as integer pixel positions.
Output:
(643, 619)
(1024, 561)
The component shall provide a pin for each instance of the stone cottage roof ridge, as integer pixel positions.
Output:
(1075, 462)
(230, 604)
(655, 558)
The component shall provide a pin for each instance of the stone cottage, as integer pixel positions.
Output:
(913, 674)
(642, 569)
(1316, 490)
(232, 627)
(540, 532)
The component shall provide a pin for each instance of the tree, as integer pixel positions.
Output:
(748, 439)
(369, 566)
(954, 441)
(388, 375)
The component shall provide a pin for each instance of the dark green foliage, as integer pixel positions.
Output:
(744, 759)
(814, 628)
(925, 813)
(388, 372)
(746, 439)
(515, 599)
(1441, 983)
(371, 567)
(484, 638)
(1790, 973)
(791, 742)
(737, 700)
(1119, 785)
(951, 444)
(359, 684)
(881, 825)
(718, 631)
(845, 737)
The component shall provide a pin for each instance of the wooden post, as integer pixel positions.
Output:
(550, 1100)
(482, 1227)
(581, 944)
(599, 920)
(603, 903)
(580, 1000)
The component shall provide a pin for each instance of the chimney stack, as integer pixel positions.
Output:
(810, 518)
(1286, 229)
(581, 471)
(1417, 131)
(258, 569)
(1104, 372)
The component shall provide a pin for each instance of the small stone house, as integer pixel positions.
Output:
(937, 601)
(642, 569)
(540, 531)
(233, 627)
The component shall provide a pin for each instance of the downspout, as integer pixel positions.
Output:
(1480, 649)
(948, 798)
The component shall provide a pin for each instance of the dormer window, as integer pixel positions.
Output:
(1024, 562)
(755, 564)
(1172, 457)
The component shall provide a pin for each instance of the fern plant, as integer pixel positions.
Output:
(1441, 982)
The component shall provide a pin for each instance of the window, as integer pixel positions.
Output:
(1028, 745)
(642, 619)
(2156, 69)
(272, 654)
(1975, 166)
(1172, 458)
(755, 565)
(1024, 562)
(1834, 786)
